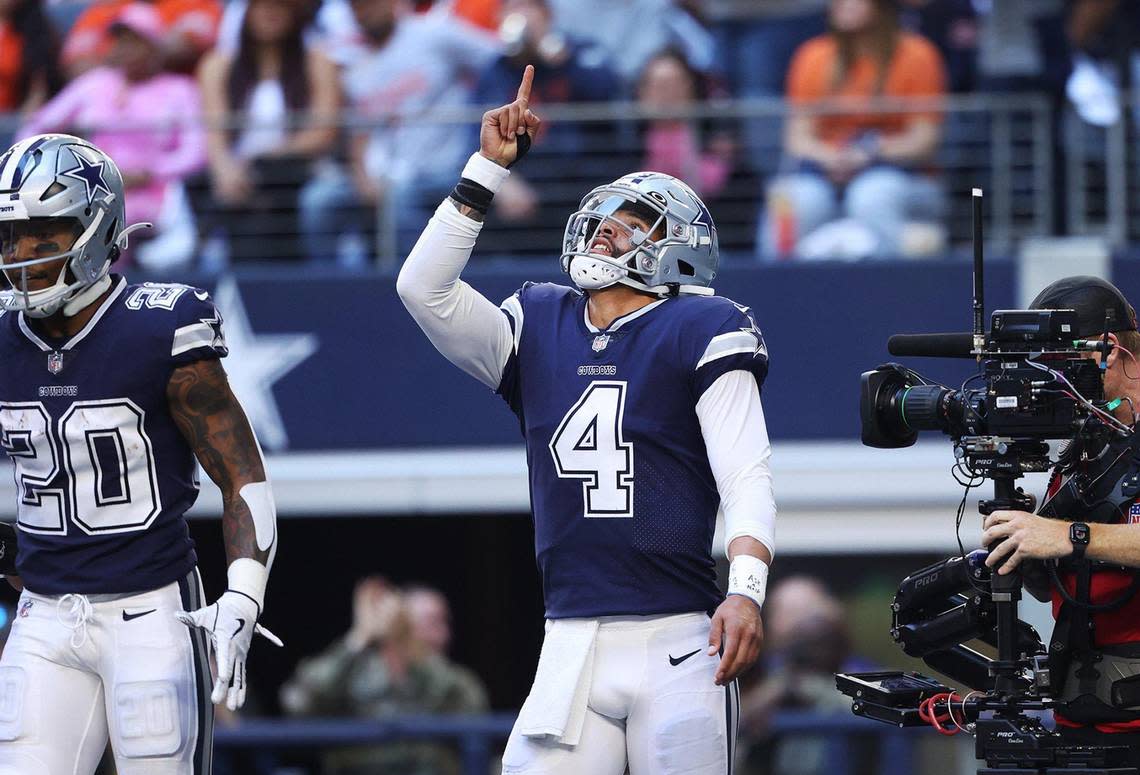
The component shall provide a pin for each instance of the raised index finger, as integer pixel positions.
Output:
(524, 87)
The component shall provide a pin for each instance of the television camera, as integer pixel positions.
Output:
(1036, 384)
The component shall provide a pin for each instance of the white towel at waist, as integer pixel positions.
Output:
(556, 706)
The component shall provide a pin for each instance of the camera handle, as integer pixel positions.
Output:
(1006, 589)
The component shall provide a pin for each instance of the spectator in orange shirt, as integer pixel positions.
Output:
(189, 30)
(29, 54)
(866, 167)
(481, 13)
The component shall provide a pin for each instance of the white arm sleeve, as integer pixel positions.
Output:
(736, 437)
(464, 325)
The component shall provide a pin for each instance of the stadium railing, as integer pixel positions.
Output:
(1018, 147)
(1102, 173)
(479, 739)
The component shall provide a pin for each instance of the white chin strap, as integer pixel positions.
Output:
(85, 297)
(591, 274)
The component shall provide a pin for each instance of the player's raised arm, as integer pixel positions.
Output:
(214, 424)
(467, 328)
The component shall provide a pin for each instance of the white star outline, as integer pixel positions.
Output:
(754, 329)
(87, 170)
(257, 362)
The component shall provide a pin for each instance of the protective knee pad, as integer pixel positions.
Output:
(687, 738)
(149, 720)
(14, 717)
(13, 690)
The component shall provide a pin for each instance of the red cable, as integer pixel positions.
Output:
(943, 721)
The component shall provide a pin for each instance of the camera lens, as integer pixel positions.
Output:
(920, 407)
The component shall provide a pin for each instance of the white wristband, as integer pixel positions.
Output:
(249, 577)
(485, 172)
(748, 576)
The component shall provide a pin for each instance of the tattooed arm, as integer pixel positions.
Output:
(214, 424)
(216, 428)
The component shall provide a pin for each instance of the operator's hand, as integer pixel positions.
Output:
(501, 128)
(231, 621)
(1026, 537)
(736, 625)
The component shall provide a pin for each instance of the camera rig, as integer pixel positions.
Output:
(1036, 384)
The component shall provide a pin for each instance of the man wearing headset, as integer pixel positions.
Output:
(1081, 551)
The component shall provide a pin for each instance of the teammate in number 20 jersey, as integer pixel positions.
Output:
(108, 393)
(638, 395)
(104, 474)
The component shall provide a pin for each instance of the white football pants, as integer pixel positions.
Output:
(652, 705)
(79, 669)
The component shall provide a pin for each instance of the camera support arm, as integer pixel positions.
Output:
(1006, 588)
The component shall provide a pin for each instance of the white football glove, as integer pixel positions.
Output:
(231, 621)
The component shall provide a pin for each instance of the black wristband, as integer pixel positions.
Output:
(468, 192)
(523, 144)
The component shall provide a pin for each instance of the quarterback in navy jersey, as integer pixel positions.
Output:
(638, 395)
(110, 395)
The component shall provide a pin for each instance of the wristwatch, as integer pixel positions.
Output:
(1079, 537)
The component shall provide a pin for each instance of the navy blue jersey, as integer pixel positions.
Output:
(103, 474)
(623, 497)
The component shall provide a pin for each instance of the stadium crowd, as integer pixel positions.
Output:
(318, 131)
(326, 130)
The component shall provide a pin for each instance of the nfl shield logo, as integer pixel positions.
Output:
(1134, 513)
(601, 342)
(55, 362)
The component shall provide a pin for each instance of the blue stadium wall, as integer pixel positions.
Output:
(373, 380)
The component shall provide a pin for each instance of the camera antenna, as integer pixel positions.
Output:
(979, 293)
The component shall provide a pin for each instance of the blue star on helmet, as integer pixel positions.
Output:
(91, 173)
(704, 217)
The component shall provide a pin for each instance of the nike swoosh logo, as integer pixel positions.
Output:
(127, 617)
(674, 661)
(241, 626)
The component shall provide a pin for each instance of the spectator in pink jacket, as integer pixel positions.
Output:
(675, 145)
(147, 120)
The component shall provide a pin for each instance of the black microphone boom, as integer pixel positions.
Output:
(957, 345)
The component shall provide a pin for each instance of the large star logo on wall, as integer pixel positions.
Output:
(91, 173)
(256, 362)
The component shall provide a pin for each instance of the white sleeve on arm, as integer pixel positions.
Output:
(736, 437)
(464, 325)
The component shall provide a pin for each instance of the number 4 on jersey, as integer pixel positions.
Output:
(590, 445)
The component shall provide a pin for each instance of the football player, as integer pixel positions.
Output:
(109, 392)
(638, 394)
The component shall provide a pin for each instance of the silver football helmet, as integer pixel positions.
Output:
(49, 183)
(681, 259)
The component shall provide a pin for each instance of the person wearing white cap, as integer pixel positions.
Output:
(147, 120)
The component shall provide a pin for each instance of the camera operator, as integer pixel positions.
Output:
(1082, 550)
